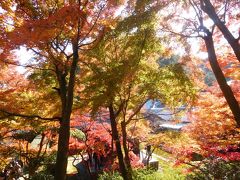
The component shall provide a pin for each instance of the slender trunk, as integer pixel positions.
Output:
(90, 158)
(149, 156)
(117, 144)
(66, 93)
(125, 147)
(40, 145)
(227, 91)
(33, 166)
(112, 153)
(85, 163)
(208, 8)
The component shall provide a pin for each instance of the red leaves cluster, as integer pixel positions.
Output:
(227, 153)
(37, 24)
(211, 118)
(75, 146)
(39, 31)
(98, 138)
(135, 160)
(212, 123)
(12, 85)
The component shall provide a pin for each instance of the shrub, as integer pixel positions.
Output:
(142, 174)
(146, 174)
(216, 168)
(110, 176)
(42, 176)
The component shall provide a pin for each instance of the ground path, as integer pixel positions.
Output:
(155, 157)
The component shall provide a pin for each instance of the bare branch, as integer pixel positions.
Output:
(137, 110)
(95, 22)
(180, 34)
(11, 114)
(119, 109)
(29, 66)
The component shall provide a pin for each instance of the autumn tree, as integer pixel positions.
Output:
(196, 26)
(217, 110)
(222, 121)
(214, 131)
(56, 32)
(124, 75)
(92, 136)
(226, 89)
(222, 14)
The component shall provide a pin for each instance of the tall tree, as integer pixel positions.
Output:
(56, 31)
(226, 89)
(124, 74)
(220, 19)
(196, 26)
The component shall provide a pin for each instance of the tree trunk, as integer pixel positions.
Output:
(227, 91)
(62, 153)
(127, 159)
(117, 144)
(208, 8)
(112, 153)
(40, 145)
(66, 93)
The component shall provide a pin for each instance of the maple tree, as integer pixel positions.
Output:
(55, 31)
(86, 56)
(222, 121)
(196, 26)
(213, 124)
(49, 41)
(17, 129)
(216, 146)
(126, 65)
(213, 129)
(91, 139)
(227, 91)
(94, 138)
(221, 20)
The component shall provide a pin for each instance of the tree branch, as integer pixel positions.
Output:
(136, 111)
(29, 66)
(10, 114)
(84, 38)
(180, 34)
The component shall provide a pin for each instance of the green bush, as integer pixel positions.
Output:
(216, 168)
(142, 174)
(110, 176)
(146, 174)
(42, 176)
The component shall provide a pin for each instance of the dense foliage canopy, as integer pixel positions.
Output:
(92, 67)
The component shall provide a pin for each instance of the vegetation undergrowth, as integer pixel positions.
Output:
(146, 174)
